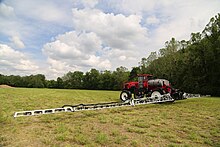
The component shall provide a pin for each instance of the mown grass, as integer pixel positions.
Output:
(191, 122)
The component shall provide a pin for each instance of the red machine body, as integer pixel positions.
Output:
(149, 87)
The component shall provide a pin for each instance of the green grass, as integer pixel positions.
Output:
(191, 122)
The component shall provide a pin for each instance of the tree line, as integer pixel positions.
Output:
(193, 66)
(93, 79)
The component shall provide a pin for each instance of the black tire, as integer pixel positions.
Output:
(125, 95)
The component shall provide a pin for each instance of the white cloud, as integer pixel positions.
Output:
(137, 7)
(58, 68)
(74, 51)
(17, 42)
(100, 40)
(34, 22)
(87, 3)
(6, 10)
(122, 58)
(152, 20)
(116, 31)
(41, 10)
(47, 12)
(180, 19)
(73, 45)
(124, 35)
(140, 7)
(15, 62)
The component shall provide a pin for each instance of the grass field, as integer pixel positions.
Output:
(191, 122)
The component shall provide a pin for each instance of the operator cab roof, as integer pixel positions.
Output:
(145, 75)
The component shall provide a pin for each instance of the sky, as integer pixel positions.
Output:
(53, 37)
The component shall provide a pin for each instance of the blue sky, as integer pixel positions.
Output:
(53, 37)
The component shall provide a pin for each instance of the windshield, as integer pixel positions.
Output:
(140, 78)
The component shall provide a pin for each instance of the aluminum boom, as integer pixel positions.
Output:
(98, 106)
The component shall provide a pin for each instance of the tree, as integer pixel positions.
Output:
(51, 84)
(60, 83)
(212, 29)
(134, 72)
(36, 81)
(106, 80)
(91, 79)
(184, 44)
(171, 47)
(195, 37)
(151, 57)
(73, 80)
(120, 76)
(145, 62)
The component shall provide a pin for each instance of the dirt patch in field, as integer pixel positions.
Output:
(5, 86)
